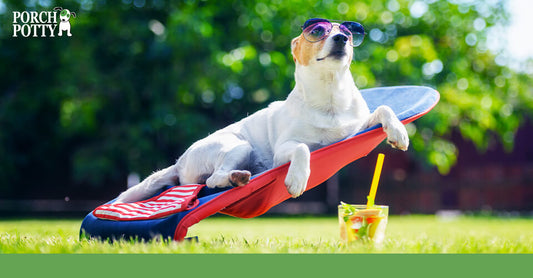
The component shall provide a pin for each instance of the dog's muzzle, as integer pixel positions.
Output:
(340, 40)
(338, 51)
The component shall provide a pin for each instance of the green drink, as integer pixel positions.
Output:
(357, 222)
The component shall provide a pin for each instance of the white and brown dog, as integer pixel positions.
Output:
(324, 107)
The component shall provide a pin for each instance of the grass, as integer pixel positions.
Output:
(405, 234)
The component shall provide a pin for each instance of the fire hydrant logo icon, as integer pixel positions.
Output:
(42, 24)
(64, 16)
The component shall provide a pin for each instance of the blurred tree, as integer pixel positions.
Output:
(141, 80)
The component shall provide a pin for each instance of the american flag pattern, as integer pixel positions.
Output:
(171, 201)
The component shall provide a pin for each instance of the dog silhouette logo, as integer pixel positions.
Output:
(64, 17)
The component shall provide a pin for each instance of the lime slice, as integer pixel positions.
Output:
(373, 227)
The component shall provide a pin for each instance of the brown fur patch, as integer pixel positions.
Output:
(239, 178)
(303, 51)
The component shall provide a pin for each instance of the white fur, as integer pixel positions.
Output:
(64, 25)
(324, 107)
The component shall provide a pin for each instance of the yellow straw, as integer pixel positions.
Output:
(377, 173)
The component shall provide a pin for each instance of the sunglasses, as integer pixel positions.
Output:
(316, 29)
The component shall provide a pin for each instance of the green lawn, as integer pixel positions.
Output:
(405, 234)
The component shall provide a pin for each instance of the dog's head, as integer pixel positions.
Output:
(64, 14)
(323, 42)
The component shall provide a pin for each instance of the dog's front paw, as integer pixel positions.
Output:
(397, 136)
(296, 183)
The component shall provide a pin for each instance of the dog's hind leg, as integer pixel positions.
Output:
(150, 185)
(230, 169)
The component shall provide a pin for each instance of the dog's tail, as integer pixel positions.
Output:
(150, 185)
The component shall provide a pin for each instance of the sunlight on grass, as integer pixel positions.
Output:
(405, 234)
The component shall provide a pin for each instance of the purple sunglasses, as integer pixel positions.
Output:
(316, 29)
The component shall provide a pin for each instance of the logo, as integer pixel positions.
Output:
(42, 24)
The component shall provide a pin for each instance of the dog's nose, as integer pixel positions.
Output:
(340, 39)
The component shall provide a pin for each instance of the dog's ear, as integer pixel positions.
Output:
(58, 9)
(294, 46)
(73, 14)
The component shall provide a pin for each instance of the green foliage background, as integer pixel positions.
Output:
(141, 80)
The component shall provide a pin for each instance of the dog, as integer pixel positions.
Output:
(324, 107)
(64, 16)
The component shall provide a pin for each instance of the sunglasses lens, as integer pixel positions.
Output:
(356, 30)
(358, 39)
(312, 21)
(317, 31)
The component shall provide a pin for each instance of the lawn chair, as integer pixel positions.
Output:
(171, 212)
